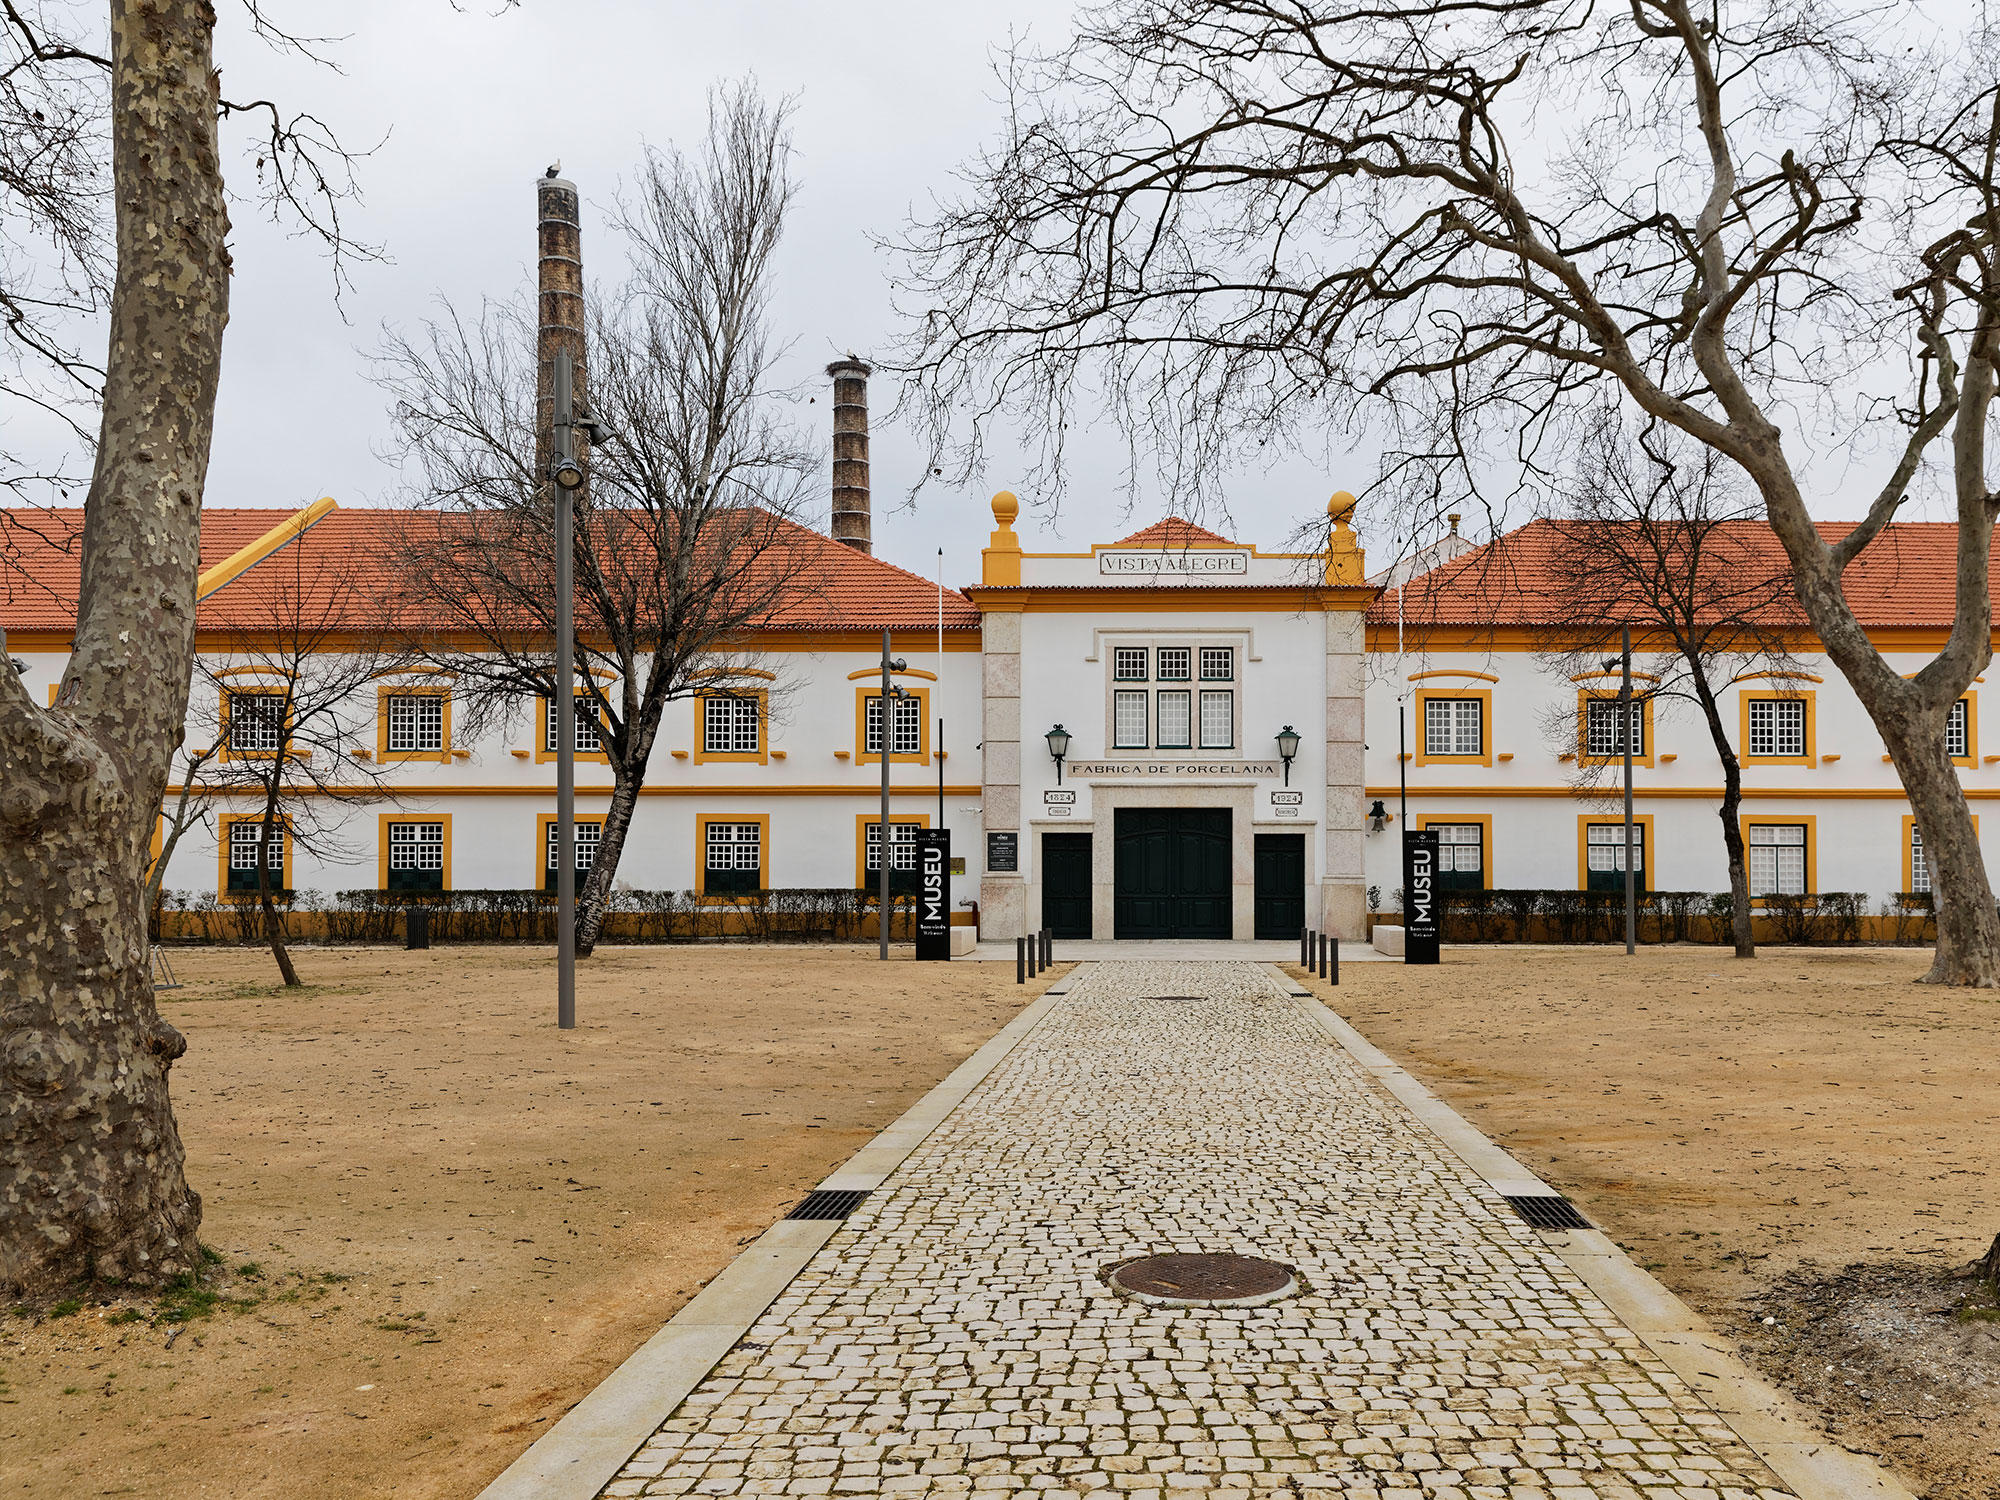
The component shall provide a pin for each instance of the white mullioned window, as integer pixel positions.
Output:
(1171, 722)
(1600, 734)
(730, 725)
(416, 846)
(1604, 847)
(1461, 847)
(1777, 726)
(416, 722)
(1957, 732)
(1128, 664)
(587, 741)
(1453, 726)
(587, 837)
(1778, 859)
(1128, 720)
(1218, 663)
(735, 846)
(1218, 718)
(244, 840)
(902, 846)
(906, 726)
(1174, 663)
(256, 723)
(1920, 870)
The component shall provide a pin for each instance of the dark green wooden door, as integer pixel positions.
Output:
(1281, 885)
(1066, 884)
(1170, 872)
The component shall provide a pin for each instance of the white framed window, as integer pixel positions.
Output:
(1454, 726)
(1920, 870)
(587, 741)
(1174, 663)
(902, 846)
(587, 836)
(416, 846)
(1128, 719)
(416, 722)
(735, 846)
(256, 723)
(906, 719)
(1218, 718)
(1600, 733)
(1957, 733)
(1461, 847)
(731, 725)
(244, 840)
(1604, 847)
(1128, 664)
(1778, 859)
(1172, 719)
(1218, 663)
(1777, 726)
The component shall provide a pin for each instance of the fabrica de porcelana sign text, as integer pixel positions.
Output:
(1173, 562)
(1160, 769)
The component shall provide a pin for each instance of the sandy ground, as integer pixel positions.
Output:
(1805, 1137)
(442, 1221)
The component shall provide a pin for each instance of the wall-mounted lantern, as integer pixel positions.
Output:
(1378, 817)
(1288, 747)
(1058, 739)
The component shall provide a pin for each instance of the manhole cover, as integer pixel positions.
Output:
(1204, 1280)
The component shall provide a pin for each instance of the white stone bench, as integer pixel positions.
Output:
(1389, 940)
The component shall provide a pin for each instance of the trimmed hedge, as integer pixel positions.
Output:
(1556, 915)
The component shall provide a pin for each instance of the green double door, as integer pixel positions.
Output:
(1170, 872)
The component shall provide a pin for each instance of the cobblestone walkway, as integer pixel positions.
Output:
(956, 1336)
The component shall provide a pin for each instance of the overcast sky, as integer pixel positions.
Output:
(891, 96)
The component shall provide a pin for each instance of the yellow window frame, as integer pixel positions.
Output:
(1642, 822)
(1485, 697)
(1745, 698)
(1485, 822)
(862, 879)
(763, 822)
(382, 823)
(413, 690)
(223, 824)
(865, 757)
(1585, 697)
(1810, 821)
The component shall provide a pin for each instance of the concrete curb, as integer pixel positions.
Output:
(1812, 1465)
(583, 1452)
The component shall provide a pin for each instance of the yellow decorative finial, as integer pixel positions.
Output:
(1001, 561)
(1343, 559)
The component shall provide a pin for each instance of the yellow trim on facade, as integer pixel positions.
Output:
(1800, 695)
(1775, 674)
(701, 822)
(899, 672)
(1453, 672)
(761, 756)
(410, 690)
(1643, 822)
(861, 822)
(251, 690)
(706, 789)
(1585, 697)
(243, 559)
(1970, 759)
(1485, 822)
(862, 756)
(1707, 793)
(382, 823)
(1484, 758)
(1745, 822)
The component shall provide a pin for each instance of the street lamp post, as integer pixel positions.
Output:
(1624, 663)
(885, 851)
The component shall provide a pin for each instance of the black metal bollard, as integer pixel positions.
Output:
(1334, 963)
(1305, 947)
(1020, 960)
(1322, 955)
(416, 927)
(1048, 947)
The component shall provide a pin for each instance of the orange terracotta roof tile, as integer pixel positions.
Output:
(1905, 577)
(1174, 532)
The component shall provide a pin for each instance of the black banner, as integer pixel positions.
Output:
(933, 894)
(1420, 896)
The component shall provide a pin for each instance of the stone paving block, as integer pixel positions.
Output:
(956, 1336)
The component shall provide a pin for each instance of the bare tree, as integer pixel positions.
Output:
(132, 202)
(193, 807)
(1771, 226)
(1678, 553)
(293, 689)
(691, 539)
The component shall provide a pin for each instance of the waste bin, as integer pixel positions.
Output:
(417, 928)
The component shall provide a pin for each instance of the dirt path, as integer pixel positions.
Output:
(447, 1220)
(1748, 1131)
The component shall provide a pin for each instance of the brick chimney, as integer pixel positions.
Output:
(558, 306)
(851, 521)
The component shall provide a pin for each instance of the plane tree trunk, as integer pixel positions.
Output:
(91, 1183)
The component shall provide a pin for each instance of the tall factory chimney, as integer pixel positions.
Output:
(558, 306)
(851, 523)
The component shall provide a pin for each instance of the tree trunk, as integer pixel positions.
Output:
(92, 1181)
(1968, 926)
(274, 930)
(1740, 929)
(595, 901)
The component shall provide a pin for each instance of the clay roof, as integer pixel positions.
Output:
(842, 589)
(1906, 577)
(1174, 532)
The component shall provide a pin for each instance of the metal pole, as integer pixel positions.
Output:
(1402, 775)
(1333, 959)
(1625, 735)
(888, 741)
(565, 711)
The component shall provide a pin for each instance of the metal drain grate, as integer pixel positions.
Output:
(1549, 1211)
(1182, 999)
(825, 1203)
